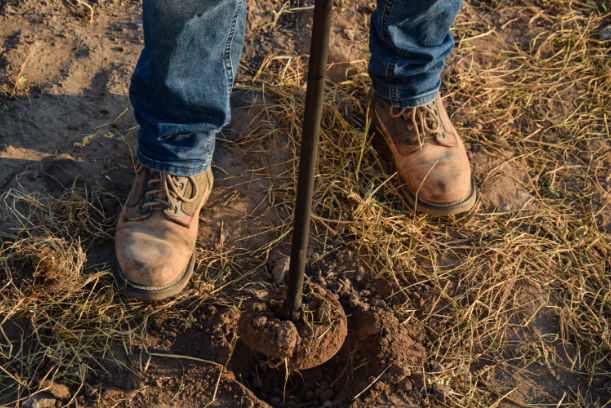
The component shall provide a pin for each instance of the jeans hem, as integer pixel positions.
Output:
(419, 100)
(173, 169)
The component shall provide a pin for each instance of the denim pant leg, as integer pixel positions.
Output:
(181, 85)
(409, 42)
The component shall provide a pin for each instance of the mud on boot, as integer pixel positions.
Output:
(156, 233)
(427, 153)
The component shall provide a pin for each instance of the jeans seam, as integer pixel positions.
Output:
(415, 98)
(389, 5)
(390, 74)
(391, 64)
(140, 156)
(229, 43)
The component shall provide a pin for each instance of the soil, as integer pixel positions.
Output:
(75, 84)
(317, 335)
(377, 346)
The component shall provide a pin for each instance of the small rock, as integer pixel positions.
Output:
(379, 303)
(360, 273)
(441, 391)
(104, 376)
(418, 381)
(327, 394)
(309, 396)
(328, 404)
(335, 287)
(397, 372)
(405, 385)
(259, 322)
(59, 391)
(349, 34)
(33, 175)
(280, 271)
(109, 393)
(42, 400)
(109, 205)
(605, 33)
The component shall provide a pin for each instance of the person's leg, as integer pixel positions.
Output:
(410, 41)
(180, 92)
(180, 88)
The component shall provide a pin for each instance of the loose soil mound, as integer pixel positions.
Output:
(314, 339)
(379, 353)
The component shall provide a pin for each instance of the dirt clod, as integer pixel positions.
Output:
(441, 391)
(397, 372)
(59, 391)
(259, 321)
(280, 271)
(111, 393)
(287, 336)
(315, 338)
(42, 400)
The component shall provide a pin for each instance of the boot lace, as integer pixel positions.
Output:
(167, 192)
(424, 119)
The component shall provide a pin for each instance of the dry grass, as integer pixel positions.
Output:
(537, 109)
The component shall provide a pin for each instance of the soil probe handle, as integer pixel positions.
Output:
(319, 50)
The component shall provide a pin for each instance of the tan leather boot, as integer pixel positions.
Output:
(156, 233)
(428, 154)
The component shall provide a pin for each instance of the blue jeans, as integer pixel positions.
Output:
(181, 85)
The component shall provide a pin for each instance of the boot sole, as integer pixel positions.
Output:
(152, 293)
(418, 203)
(441, 209)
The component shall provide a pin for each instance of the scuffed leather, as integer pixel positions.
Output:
(154, 250)
(438, 172)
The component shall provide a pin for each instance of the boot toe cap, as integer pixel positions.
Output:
(448, 185)
(150, 262)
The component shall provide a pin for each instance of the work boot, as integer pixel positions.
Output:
(428, 154)
(156, 233)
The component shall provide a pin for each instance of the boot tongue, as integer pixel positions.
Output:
(161, 195)
(426, 127)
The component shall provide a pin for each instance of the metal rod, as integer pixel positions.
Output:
(319, 50)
